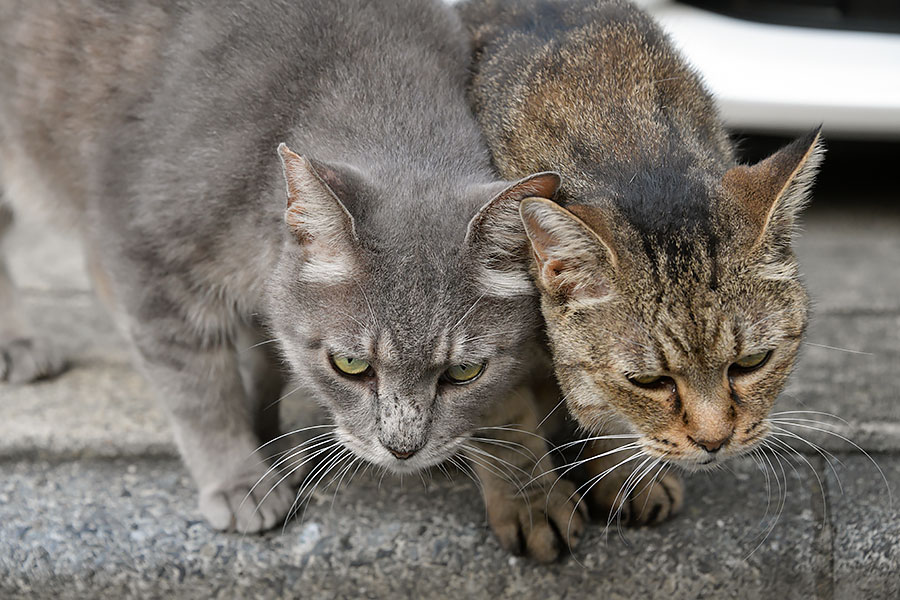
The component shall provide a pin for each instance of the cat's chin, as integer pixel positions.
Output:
(709, 462)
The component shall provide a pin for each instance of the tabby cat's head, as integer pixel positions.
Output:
(404, 321)
(683, 327)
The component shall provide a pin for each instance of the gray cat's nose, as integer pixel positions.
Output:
(401, 454)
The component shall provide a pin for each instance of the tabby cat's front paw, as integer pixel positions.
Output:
(650, 503)
(239, 506)
(533, 524)
(26, 359)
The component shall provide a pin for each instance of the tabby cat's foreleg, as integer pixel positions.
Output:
(530, 509)
(626, 492)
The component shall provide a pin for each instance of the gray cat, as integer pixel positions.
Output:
(392, 279)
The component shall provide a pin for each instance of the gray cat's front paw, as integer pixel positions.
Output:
(537, 525)
(26, 359)
(650, 503)
(234, 507)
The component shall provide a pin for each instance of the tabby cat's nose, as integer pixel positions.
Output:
(712, 446)
(401, 454)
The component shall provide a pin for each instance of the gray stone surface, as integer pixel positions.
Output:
(98, 528)
(866, 523)
(849, 251)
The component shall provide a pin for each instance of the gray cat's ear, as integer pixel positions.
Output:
(497, 243)
(774, 191)
(572, 259)
(318, 220)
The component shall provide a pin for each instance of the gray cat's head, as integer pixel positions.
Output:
(404, 320)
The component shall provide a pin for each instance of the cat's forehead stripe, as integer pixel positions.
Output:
(384, 347)
(442, 349)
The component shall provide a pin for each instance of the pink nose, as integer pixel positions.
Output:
(711, 446)
(402, 455)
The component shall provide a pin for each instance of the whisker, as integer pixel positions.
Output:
(466, 314)
(623, 493)
(508, 445)
(287, 434)
(782, 490)
(815, 473)
(590, 483)
(582, 461)
(293, 468)
(302, 501)
(274, 402)
(513, 428)
(849, 351)
(809, 412)
(595, 438)
(257, 345)
(547, 416)
(501, 463)
(318, 472)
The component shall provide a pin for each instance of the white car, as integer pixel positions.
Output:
(785, 79)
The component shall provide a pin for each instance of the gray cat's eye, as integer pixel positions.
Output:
(463, 373)
(750, 362)
(351, 366)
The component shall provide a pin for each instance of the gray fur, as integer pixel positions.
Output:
(154, 125)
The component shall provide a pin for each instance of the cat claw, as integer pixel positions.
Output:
(539, 526)
(24, 360)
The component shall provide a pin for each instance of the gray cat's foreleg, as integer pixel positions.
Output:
(24, 357)
(215, 423)
(264, 380)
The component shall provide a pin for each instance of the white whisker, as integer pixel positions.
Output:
(839, 349)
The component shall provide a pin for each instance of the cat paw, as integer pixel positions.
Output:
(242, 508)
(537, 525)
(649, 504)
(24, 360)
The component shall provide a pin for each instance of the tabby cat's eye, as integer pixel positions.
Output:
(464, 373)
(751, 362)
(647, 381)
(349, 365)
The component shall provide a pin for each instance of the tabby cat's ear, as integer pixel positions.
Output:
(573, 260)
(318, 220)
(774, 191)
(497, 243)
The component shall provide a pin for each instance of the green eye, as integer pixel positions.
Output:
(464, 373)
(349, 365)
(646, 381)
(752, 361)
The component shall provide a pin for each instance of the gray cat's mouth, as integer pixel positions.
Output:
(427, 456)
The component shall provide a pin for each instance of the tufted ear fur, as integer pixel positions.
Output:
(317, 219)
(774, 191)
(497, 241)
(573, 260)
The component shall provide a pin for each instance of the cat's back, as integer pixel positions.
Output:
(591, 88)
(90, 87)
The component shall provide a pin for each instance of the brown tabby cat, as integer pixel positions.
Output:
(671, 294)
